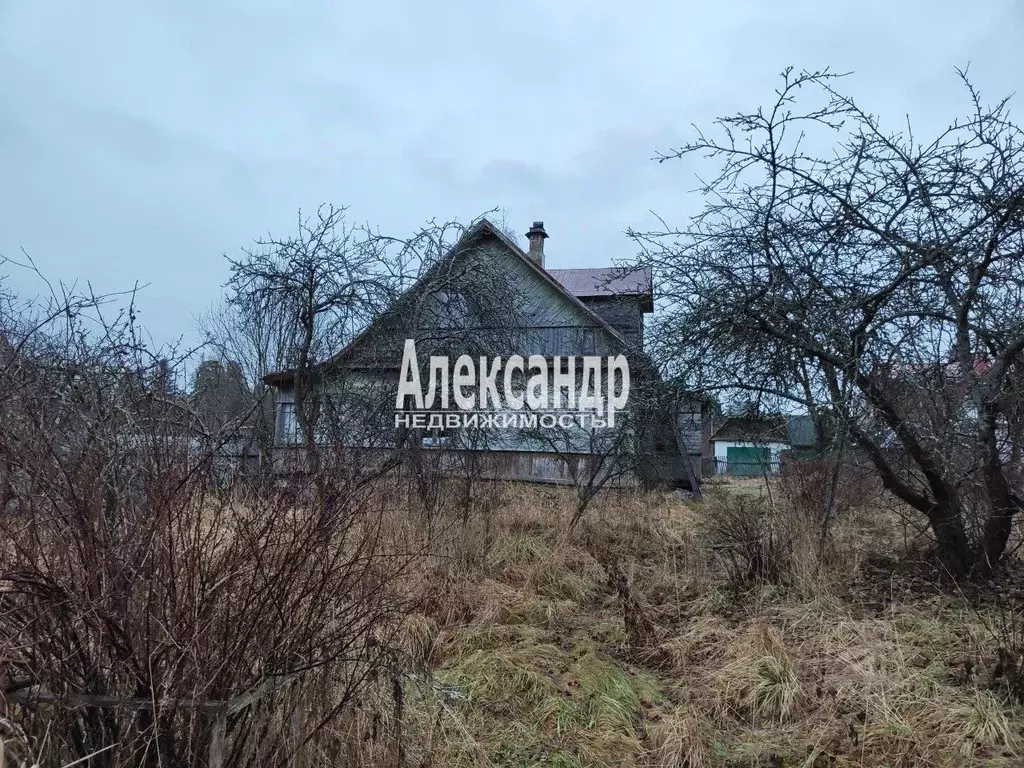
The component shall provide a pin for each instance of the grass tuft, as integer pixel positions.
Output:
(983, 723)
(682, 739)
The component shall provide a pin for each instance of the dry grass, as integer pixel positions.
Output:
(520, 651)
(535, 666)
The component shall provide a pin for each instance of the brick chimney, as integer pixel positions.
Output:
(536, 237)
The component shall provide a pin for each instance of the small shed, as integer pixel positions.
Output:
(757, 445)
(750, 445)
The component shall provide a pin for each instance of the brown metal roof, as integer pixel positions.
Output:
(604, 281)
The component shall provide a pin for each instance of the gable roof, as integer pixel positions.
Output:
(485, 224)
(797, 430)
(484, 227)
(767, 429)
(606, 282)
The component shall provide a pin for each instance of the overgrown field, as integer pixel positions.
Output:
(658, 632)
(655, 635)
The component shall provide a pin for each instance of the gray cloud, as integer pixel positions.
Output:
(142, 142)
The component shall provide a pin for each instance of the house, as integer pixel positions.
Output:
(756, 445)
(489, 300)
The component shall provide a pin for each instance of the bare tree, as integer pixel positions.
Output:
(334, 284)
(864, 274)
(642, 447)
(594, 458)
(323, 284)
(258, 339)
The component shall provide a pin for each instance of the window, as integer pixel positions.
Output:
(438, 437)
(287, 424)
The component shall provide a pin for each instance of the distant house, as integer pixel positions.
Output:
(560, 314)
(757, 445)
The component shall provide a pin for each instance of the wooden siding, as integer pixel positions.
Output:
(555, 326)
(623, 313)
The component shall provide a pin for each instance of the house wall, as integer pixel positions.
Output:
(722, 447)
(552, 324)
(624, 314)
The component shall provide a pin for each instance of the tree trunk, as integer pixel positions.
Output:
(954, 550)
(999, 523)
(995, 535)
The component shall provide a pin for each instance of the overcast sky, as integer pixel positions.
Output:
(143, 144)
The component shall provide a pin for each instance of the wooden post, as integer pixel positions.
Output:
(220, 727)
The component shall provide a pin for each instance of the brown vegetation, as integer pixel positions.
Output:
(657, 632)
(628, 642)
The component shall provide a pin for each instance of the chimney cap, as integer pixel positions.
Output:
(537, 229)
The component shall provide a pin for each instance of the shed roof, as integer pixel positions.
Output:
(797, 430)
(767, 429)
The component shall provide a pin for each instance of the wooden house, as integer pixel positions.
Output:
(489, 298)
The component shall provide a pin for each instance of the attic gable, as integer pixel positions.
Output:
(540, 301)
(482, 266)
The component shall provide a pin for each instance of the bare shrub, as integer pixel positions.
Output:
(640, 630)
(146, 619)
(826, 490)
(749, 538)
